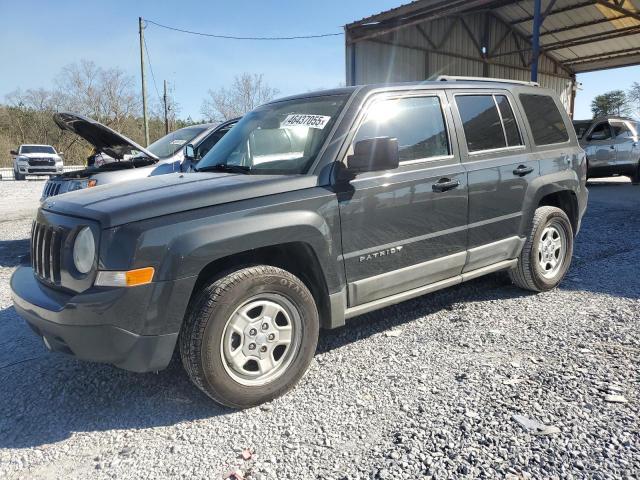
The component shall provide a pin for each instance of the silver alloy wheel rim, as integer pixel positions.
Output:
(260, 339)
(552, 249)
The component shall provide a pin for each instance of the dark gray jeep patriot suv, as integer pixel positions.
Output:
(311, 210)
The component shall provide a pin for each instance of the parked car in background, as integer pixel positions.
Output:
(612, 145)
(36, 160)
(313, 209)
(118, 158)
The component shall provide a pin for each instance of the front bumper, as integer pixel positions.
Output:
(132, 328)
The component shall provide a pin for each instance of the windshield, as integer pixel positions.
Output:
(169, 144)
(37, 149)
(281, 138)
(581, 128)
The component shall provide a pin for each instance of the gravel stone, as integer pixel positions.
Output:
(437, 400)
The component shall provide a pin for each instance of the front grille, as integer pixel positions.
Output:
(51, 189)
(41, 162)
(46, 245)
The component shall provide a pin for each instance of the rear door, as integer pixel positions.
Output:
(405, 228)
(500, 168)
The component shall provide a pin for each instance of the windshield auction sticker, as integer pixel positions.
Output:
(302, 120)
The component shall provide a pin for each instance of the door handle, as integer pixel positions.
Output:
(612, 147)
(523, 170)
(445, 184)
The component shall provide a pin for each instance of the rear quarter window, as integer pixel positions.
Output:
(546, 121)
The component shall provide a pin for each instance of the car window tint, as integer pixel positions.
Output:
(602, 131)
(545, 120)
(208, 143)
(621, 130)
(481, 122)
(581, 128)
(509, 121)
(417, 122)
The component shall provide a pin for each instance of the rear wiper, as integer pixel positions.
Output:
(225, 168)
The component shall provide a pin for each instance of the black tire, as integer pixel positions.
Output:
(18, 176)
(528, 274)
(210, 310)
(635, 178)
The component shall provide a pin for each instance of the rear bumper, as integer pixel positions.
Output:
(101, 326)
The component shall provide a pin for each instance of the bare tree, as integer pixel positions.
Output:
(106, 95)
(633, 95)
(246, 93)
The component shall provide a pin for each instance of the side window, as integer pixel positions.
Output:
(509, 121)
(417, 122)
(488, 122)
(208, 143)
(602, 131)
(621, 130)
(545, 120)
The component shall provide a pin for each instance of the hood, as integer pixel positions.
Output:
(100, 136)
(135, 200)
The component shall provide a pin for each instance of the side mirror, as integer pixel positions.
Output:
(13, 152)
(374, 154)
(189, 152)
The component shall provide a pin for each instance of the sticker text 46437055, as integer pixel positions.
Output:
(303, 120)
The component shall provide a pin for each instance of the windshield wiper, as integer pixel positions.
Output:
(221, 167)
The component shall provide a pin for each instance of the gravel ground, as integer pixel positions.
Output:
(477, 381)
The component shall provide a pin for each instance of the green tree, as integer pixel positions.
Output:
(614, 102)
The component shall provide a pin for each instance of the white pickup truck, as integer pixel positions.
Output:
(36, 160)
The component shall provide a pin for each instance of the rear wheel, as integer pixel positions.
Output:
(635, 178)
(249, 337)
(546, 255)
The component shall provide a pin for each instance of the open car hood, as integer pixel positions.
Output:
(100, 136)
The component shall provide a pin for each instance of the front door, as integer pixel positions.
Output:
(601, 150)
(405, 228)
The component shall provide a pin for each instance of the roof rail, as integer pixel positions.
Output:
(452, 78)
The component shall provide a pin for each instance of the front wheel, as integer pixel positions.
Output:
(18, 176)
(249, 337)
(546, 254)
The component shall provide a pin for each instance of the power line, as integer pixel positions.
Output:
(233, 37)
(153, 77)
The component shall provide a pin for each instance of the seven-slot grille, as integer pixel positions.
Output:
(51, 189)
(46, 246)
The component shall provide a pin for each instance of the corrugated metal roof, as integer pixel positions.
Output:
(583, 35)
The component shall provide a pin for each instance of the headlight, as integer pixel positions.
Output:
(81, 184)
(84, 250)
(23, 159)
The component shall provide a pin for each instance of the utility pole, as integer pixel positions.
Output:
(144, 85)
(166, 118)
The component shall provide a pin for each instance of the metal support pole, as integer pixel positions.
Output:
(537, 22)
(144, 85)
(572, 101)
(166, 117)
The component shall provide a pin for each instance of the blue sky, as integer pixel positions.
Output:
(38, 38)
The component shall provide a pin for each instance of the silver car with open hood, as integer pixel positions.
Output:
(129, 160)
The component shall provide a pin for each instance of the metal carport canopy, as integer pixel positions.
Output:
(582, 36)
